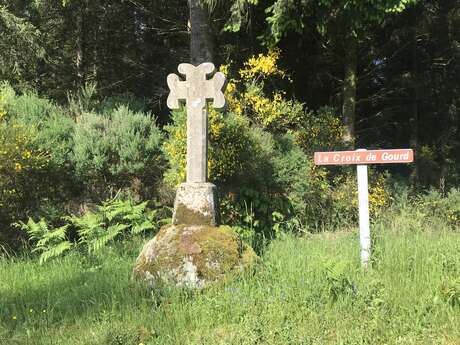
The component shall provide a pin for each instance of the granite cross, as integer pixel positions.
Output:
(195, 90)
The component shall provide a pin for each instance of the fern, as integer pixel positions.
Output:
(110, 234)
(144, 226)
(112, 220)
(49, 242)
(55, 251)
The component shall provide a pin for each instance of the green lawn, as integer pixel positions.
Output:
(304, 291)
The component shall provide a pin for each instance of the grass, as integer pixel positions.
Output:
(305, 291)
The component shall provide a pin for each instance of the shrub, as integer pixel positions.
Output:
(20, 164)
(239, 162)
(48, 188)
(116, 149)
(445, 208)
(304, 185)
(238, 154)
(54, 127)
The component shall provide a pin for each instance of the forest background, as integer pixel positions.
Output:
(84, 129)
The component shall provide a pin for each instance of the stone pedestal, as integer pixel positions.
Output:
(196, 204)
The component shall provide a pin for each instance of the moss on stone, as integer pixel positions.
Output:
(185, 215)
(215, 252)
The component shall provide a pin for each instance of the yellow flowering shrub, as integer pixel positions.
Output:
(262, 66)
(248, 95)
(345, 195)
(233, 146)
(18, 160)
(175, 148)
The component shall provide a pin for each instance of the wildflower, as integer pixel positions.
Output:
(17, 167)
(14, 317)
(27, 154)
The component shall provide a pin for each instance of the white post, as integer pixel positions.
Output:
(363, 201)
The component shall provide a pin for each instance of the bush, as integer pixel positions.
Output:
(444, 208)
(117, 150)
(304, 185)
(20, 164)
(54, 126)
(48, 188)
(238, 154)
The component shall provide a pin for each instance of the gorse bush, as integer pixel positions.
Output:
(21, 162)
(112, 220)
(237, 152)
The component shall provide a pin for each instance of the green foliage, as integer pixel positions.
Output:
(305, 187)
(446, 208)
(113, 220)
(54, 126)
(21, 162)
(37, 139)
(450, 292)
(238, 15)
(21, 49)
(285, 15)
(338, 278)
(50, 243)
(117, 147)
(320, 130)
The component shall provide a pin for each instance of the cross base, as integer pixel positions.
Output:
(196, 204)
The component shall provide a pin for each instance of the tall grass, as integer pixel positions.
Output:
(305, 291)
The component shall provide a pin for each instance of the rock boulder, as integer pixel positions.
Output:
(192, 256)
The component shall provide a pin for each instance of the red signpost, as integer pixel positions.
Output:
(362, 158)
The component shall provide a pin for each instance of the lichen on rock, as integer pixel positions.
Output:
(192, 256)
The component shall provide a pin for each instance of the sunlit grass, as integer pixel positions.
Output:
(304, 291)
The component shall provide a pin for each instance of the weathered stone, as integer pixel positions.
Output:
(196, 204)
(192, 256)
(195, 90)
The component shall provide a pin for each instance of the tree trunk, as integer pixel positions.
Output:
(349, 92)
(201, 41)
(79, 47)
(413, 119)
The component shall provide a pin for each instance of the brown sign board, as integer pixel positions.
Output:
(364, 157)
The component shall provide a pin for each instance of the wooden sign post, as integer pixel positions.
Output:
(362, 158)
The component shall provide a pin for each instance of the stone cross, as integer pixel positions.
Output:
(196, 90)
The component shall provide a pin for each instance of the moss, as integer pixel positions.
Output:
(216, 252)
(185, 215)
